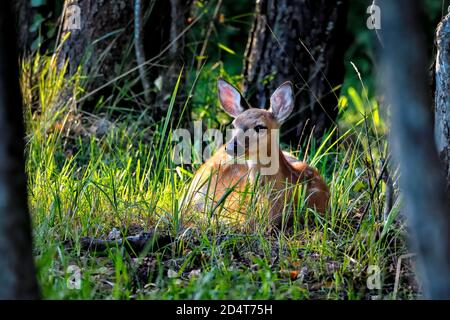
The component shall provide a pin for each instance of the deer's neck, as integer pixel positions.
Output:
(254, 168)
(277, 167)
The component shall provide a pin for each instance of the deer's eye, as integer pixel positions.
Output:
(259, 127)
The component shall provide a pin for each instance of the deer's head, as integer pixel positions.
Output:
(254, 128)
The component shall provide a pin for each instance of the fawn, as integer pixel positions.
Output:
(223, 181)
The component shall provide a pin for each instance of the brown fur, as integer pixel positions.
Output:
(219, 174)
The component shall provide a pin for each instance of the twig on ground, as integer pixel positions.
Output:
(133, 244)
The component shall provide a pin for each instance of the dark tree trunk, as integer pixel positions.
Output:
(105, 48)
(163, 30)
(22, 10)
(103, 41)
(17, 273)
(442, 95)
(301, 41)
(422, 180)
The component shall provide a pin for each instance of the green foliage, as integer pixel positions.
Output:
(228, 36)
(44, 24)
(38, 3)
(363, 44)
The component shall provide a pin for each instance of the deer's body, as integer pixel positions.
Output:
(222, 181)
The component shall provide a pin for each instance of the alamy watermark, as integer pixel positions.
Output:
(243, 147)
(72, 17)
(374, 20)
(73, 273)
(373, 277)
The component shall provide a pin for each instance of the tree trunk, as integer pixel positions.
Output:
(105, 48)
(101, 41)
(301, 41)
(166, 23)
(442, 95)
(22, 10)
(421, 181)
(17, 273)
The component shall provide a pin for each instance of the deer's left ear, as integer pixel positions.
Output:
(230, 98)
(282, 102)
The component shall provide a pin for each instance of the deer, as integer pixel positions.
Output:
(225, 182)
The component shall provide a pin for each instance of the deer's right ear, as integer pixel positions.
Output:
(230, 98)
(282, 102)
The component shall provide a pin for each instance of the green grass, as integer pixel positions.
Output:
(91, 173)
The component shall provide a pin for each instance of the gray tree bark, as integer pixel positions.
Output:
(104, 45)
(17, 273)
(422, 180)
(103, 40)
(442, 95)
(22, 10)
(301, 41)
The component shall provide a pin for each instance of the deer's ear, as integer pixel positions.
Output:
(230, 98)
(282, 102)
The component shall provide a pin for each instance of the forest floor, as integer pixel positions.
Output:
(108, 175)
